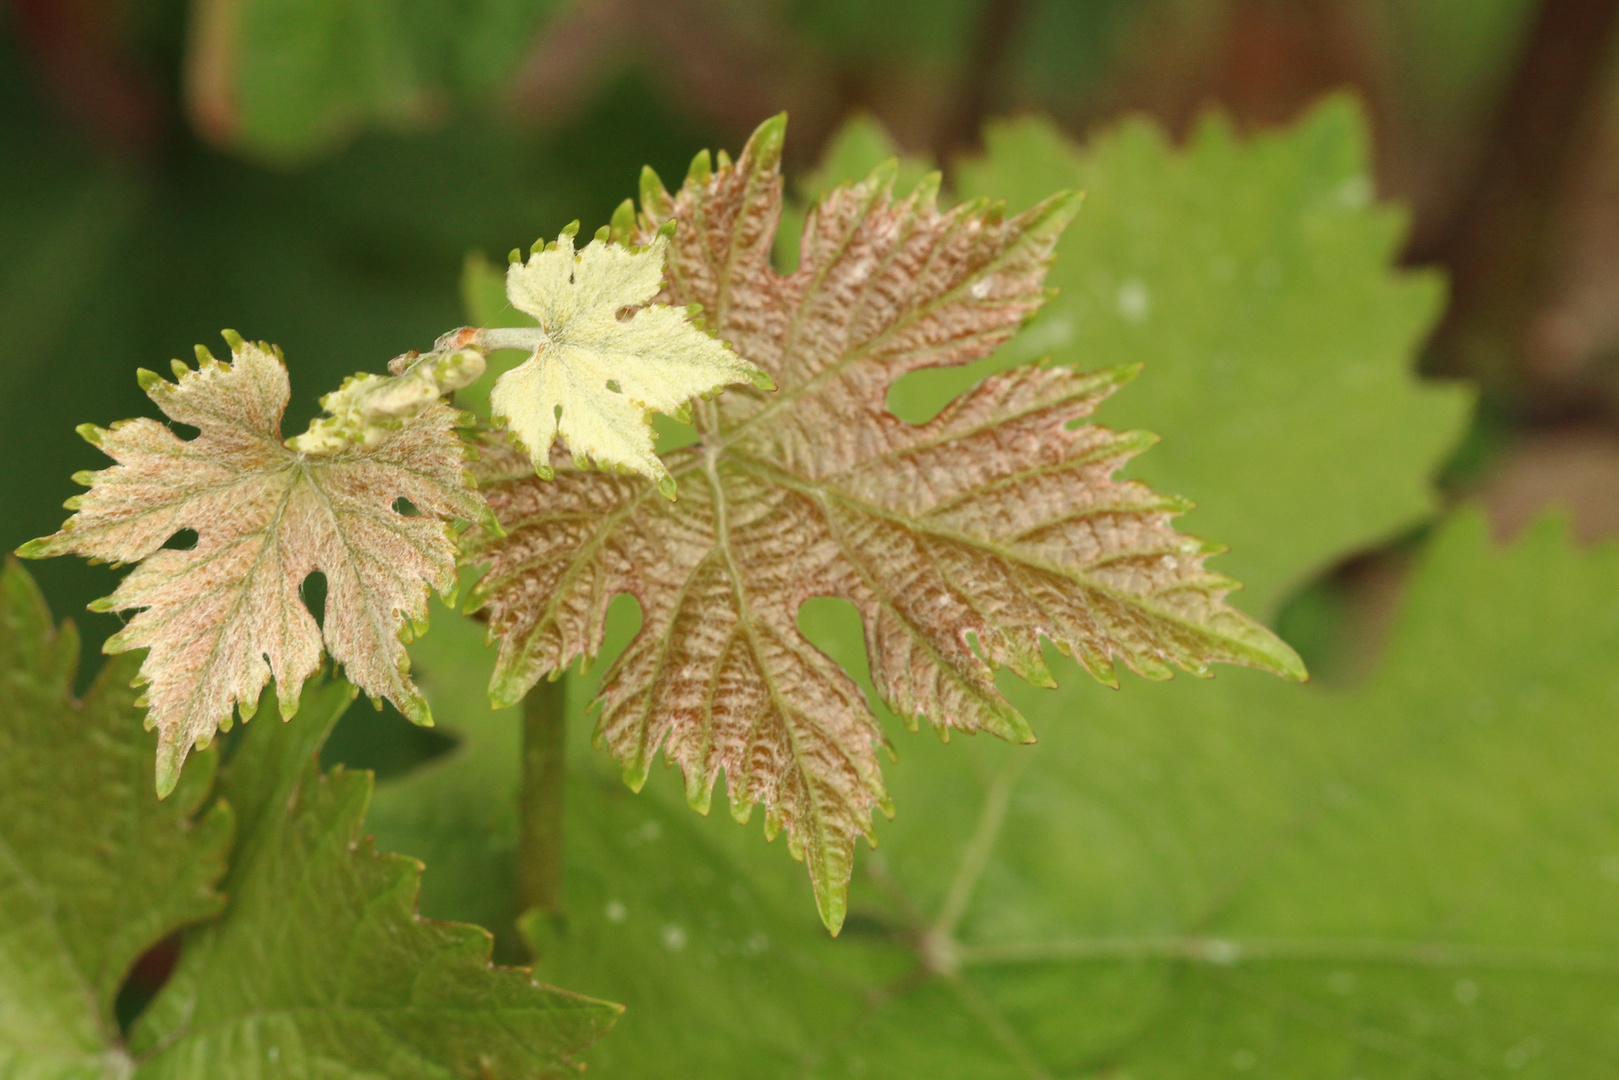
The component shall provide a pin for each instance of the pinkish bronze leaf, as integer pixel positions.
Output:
(219, 619)
(963, 542)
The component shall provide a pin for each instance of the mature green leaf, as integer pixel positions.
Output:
(1123, 822)
(94, 870)
(219, 619)
(963, 541)
(284, 80)
(460, 812)
(1415, 878)
(1254, 280)
(726, 973)
(319, 965)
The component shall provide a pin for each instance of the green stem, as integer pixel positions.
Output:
(539, 839)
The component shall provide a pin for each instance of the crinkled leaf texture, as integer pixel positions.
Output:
(219, 619)
(599, 374)
(319, 965)
(94, 871)
(962, 542)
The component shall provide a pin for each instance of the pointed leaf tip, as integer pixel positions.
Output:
(170, 757)
(652, 190)
(701, 168)
(1290, 665)
(767, 140)
(622, 223)
(883, 174)
(832, 904)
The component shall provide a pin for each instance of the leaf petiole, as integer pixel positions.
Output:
(540, 838)
(527, 338)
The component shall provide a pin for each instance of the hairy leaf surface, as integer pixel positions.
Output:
(220, 618)
(858, 147)
(962, 542)
(94, 870)
(319, 965)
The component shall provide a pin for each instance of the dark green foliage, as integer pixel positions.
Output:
(315, 964)
(93, 869)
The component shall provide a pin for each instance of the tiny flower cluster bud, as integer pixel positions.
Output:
(368, 406)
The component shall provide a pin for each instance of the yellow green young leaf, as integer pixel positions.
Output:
(220, 618)
(595, 377)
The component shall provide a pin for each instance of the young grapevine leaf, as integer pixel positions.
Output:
(963, 542)
(595, 376)
(345, 981)
(1416, 877)
(94, 871)
(220, 618)
(1256, 279)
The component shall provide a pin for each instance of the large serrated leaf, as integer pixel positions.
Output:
(458, 812)
(1412, 879)
(319, 965)
(963, 542)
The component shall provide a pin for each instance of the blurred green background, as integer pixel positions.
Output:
(314, 173)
